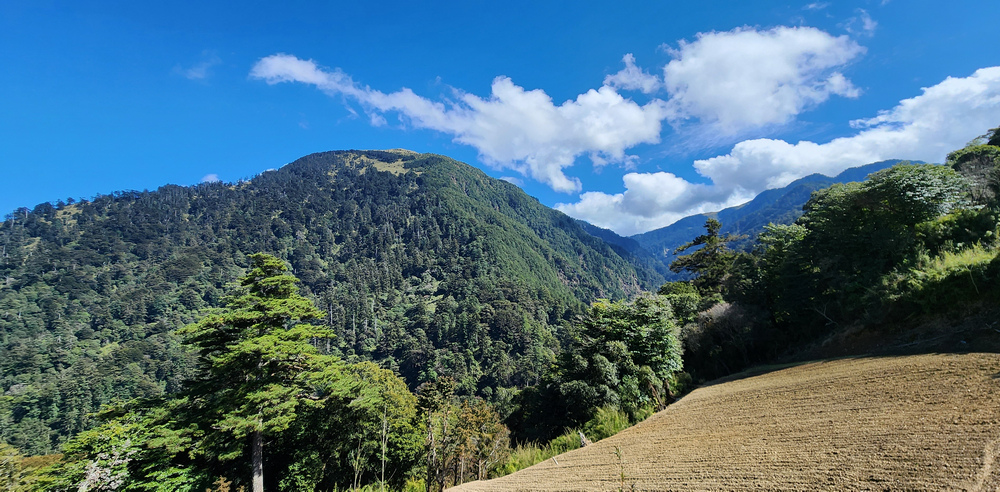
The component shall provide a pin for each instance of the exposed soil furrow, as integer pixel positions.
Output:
(923, 422)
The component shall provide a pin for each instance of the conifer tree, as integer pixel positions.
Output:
(257, 365)
(710, 263)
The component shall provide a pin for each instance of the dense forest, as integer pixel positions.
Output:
(419, 262)
(422, 323)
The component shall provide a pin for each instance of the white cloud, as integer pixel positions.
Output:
(210, 178)
(816, 6)
(200, 70)
(744, 78)
(514, 180)
(748, 78)
(926, 127)
(633, 78)
(729, 81)
(861, 24)
(513, 128)
(650, 201)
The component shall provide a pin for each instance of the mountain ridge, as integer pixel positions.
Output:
(777, 205)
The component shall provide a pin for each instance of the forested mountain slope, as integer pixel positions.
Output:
(420, 262)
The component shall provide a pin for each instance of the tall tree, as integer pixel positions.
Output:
(711, 262)
(257, 364)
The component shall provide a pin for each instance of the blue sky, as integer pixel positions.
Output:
(629, 116)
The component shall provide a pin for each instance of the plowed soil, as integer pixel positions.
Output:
(922, 422)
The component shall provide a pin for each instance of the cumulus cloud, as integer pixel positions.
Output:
(210, 178)
(633, 78)
(513, 128)
(650, 201)
(926, 127)
(748, 78)
(734, 80)
(728, 81)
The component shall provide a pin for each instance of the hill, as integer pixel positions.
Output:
(420, 262)
(628, 248)
(779, 206)
(923, 422)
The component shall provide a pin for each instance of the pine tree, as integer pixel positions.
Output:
(710, 263)
(257, 366)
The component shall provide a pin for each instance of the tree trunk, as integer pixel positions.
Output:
(258, 461)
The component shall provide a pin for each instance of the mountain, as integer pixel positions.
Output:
(780, 206)
(420, 262)
(627, 248)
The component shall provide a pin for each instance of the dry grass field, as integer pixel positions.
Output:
(921, 422)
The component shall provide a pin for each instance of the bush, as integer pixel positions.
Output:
(609, 421)
(952, 278)
(957, 230)
(529, 454)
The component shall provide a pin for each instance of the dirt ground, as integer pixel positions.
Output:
(919, 422)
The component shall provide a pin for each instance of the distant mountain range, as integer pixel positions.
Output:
(780, 206)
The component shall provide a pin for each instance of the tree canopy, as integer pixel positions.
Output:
(711, 260)
(257, 365)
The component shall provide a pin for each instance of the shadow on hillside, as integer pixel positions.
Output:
(977, 329)
(769, 368)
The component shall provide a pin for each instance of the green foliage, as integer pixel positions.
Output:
(465, 439)
(861, 253)
(525, 455)
(264, 403)
(951, 279)
(957, 230)
(120, 454)
(624, 355)
(368, 432)
(427, 266)
(608, 421)
(684, 299)
(858, 232)
(710, 263)
(993, 137)
(11, 472)
(257, 365)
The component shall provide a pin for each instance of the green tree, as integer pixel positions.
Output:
(710, 263)
(860, 231)
(10, 467)
(483, 441)
(465, 440)
(367, 432)
(626, 355)
(257, 366)
(685, 301)
(991, 137)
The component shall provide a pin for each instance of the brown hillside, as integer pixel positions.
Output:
(922, 422)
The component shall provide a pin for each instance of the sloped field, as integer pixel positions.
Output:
(925, 422)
